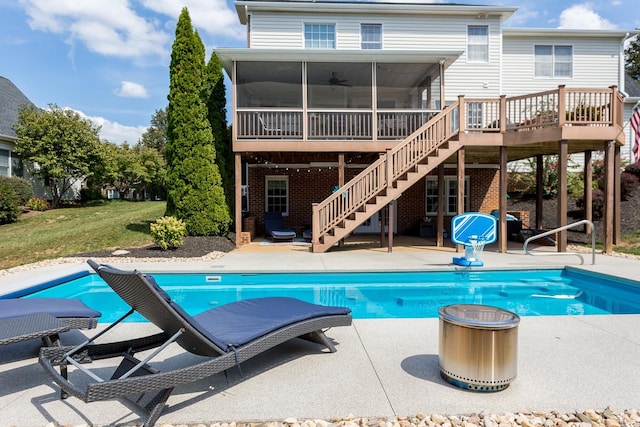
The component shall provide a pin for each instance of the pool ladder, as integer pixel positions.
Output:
(566, 227)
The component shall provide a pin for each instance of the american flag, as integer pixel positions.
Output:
(635, 127)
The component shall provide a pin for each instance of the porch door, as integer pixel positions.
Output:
(372, 225)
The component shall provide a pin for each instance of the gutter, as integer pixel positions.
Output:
(621, 67)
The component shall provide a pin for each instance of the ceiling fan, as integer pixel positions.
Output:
(335, 81)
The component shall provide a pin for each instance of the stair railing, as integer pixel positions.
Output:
(349, 198)
(566, 227)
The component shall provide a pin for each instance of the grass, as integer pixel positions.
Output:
(630, 243)
(69, 231)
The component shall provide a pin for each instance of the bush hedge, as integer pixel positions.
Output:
(9, 203)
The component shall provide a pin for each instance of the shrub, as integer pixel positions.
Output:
(597, 205)
(9, 203)
(21, 187)
(628, 184)
(168, 232)
(37, 204)
(89, 194)
(633, 169)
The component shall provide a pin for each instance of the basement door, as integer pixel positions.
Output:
(372, 225)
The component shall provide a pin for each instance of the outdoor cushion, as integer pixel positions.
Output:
(240, 322)
(57, 307)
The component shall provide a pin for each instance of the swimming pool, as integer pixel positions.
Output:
(384, 294)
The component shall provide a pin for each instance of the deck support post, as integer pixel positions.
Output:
(588, 190)
(440, 212)
(460, 187)
(390, 227)
(539, 190)
(502, 203)
(563, 163)
(238, 197)
(608, 196)
(617, 196)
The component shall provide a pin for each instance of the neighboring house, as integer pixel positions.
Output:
(337, 111)
(11, 98)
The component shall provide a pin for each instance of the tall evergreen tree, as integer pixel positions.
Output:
(632, 63)
(217, 114)
(194, 185)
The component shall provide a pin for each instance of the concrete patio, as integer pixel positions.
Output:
(383, 368)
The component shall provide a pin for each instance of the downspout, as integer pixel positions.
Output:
(621, 66)
(246, 12)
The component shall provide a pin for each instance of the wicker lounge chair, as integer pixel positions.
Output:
(274, 227)
(28, 318)
(229, 334)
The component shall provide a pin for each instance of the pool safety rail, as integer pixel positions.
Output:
(566, 227)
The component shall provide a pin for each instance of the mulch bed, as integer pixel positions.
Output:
(194, 247)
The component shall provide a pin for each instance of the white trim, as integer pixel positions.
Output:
(379, 24)
(553, 61)
(447, 180)
(284, 178)
(488, 60)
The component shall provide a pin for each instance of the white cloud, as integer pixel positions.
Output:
(582, 16)
(107, 27)
(210, 16)
(114, 132)
(131, 90)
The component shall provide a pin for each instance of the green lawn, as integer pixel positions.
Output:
(68, 231)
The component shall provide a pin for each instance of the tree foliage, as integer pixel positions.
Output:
(136, 168)
(60, 145)
(156, 135)
(632, 60)
(194, 185)
(215, 98)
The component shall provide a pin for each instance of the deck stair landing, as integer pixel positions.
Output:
(385, 180)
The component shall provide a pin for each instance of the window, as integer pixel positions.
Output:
(478, 43)
(4, 162)
(553, 61)
(450, 195)
(319, 36)
(371, 36)
(277, 197)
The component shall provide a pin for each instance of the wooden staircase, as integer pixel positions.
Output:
(385, 180)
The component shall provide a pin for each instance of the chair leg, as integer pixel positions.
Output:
(320, 338)
(156, 406)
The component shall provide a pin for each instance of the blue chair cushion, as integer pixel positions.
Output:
(240, 322)
(57, 307)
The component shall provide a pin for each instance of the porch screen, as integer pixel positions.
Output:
(405, 85)
(269, 84)
(339, 85)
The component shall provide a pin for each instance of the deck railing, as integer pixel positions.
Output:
(266, 123)
(349, 198)
(552, 108)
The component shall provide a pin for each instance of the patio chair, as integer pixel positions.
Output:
(23, 319)
(229, 334)
(274, 227)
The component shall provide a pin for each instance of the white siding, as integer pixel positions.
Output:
(595, 64)
(400, 32)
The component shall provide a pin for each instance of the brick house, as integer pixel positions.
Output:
(349, 115)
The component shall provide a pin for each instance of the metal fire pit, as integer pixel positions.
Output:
(478, 346)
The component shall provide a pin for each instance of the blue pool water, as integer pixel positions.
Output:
(384, 294)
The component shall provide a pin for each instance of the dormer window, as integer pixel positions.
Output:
(371, 36)
(319, 36)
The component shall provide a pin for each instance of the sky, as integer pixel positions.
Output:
(109, 59)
